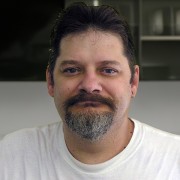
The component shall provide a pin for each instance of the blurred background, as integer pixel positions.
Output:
(24, 34)
(25, 31)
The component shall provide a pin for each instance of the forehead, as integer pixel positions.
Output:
(92, 47)
(93, 37)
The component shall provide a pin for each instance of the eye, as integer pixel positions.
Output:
(71, 71)
(109, 71)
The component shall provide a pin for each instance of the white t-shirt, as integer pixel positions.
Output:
(41, 154)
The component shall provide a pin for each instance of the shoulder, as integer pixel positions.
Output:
(24, 138)
(158, 151)
(160, 134)
(150, 130)
(158, 139)
(22, 151)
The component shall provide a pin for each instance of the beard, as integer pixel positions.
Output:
(89, 124)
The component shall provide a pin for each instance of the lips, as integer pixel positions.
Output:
(88, 103)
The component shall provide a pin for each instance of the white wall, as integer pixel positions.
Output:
(27, 104)
(158, 104)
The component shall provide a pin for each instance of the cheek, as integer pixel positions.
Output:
(121, 95)
(118, 89)
(63, 91)
(60, 96)
(60, 93)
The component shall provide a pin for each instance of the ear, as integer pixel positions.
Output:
(135, 81)
(50, 85)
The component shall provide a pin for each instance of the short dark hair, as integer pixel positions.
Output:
(78, 18)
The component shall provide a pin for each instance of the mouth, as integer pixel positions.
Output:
(88, 104)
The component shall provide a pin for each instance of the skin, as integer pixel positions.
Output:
(94, 62)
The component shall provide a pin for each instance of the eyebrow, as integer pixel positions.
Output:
(110, 62)
(65, 62)
(105, 62)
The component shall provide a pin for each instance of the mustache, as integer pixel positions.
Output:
(82, 97)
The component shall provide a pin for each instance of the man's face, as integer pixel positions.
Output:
(92, 87)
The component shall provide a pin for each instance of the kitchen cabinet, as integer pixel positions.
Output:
(159, 39)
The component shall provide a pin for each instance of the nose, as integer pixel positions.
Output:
(90, 83)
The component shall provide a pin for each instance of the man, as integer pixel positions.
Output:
(92, 77)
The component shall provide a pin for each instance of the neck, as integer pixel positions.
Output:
(112, 143)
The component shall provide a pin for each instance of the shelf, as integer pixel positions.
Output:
(160, 38)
